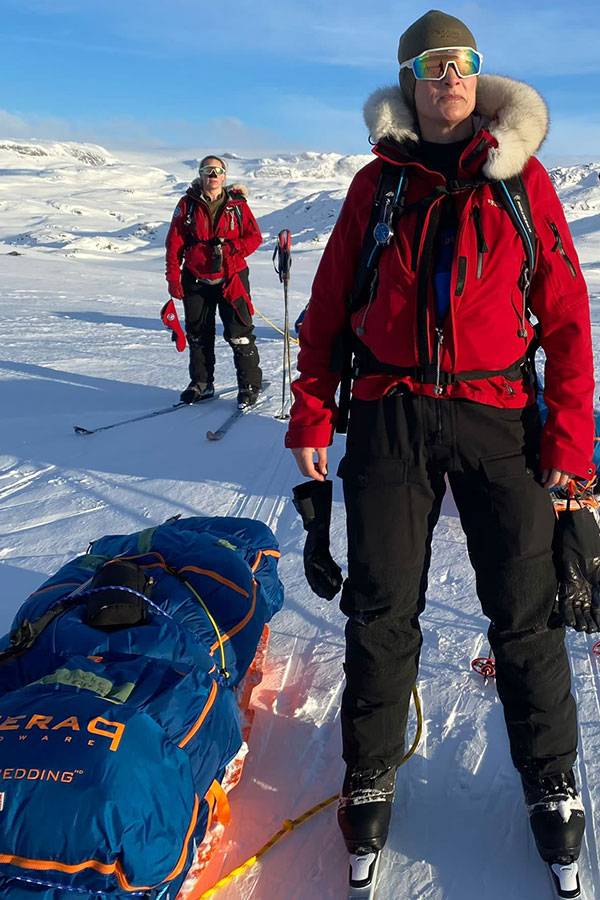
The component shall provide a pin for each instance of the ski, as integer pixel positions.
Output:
(222, 430)
(565, 880)
(79, 429)
(362, 876)
(231, 420)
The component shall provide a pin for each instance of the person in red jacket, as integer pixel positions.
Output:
(443, 390)
(211, 234)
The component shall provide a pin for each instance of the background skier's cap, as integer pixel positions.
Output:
(434, 29)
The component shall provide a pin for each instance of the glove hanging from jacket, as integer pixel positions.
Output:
(312, 500)
(169, 317)
(577, 560)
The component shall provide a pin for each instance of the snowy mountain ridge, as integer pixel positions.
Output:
(80, 199)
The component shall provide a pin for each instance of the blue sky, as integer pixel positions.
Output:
(255, 77)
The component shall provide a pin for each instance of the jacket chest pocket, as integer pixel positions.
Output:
(482, 247)
(558, 248)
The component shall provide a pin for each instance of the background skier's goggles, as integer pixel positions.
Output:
(211, 170)
(432, 65)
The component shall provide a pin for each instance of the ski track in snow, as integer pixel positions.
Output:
(82, 344)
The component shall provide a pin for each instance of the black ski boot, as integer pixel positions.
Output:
(365, 807)
(557, 821)
(247, 396)
(197, 391)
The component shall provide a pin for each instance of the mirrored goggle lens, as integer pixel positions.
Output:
(432, 64)
(212, 170)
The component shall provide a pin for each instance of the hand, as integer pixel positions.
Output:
(175, 290)
(555, 478)
(305, 461)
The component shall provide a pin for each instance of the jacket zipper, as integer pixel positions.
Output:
(427, 238)
(439, 334)
(461, 275)
(559, 248)
(482, 247)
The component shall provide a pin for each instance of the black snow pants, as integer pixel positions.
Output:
(200, 303)
(399, 449)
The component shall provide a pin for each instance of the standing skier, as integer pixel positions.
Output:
(211, 234)
(444, 386)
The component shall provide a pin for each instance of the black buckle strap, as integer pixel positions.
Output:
(430, 374)
(28, 632)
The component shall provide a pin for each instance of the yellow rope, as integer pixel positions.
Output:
(212, 622)
(289, 824)
(276, 327)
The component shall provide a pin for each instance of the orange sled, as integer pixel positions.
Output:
(217, 794)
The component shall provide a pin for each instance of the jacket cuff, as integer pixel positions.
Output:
(566, 459)
(308, 436)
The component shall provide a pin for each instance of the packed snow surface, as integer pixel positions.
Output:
(81, 268)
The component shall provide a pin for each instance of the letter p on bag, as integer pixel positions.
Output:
(117, 732)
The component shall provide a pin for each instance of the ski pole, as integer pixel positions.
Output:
(282, 263)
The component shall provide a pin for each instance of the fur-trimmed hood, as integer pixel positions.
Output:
(196, 189)
(511, 111)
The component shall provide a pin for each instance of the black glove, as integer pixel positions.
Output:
(577, 559)
(312, 499)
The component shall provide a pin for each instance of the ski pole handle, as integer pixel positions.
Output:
(283, 254)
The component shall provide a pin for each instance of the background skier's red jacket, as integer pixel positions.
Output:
(481, 329)
(234, 223)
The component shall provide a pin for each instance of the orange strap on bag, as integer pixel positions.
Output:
(218, 804)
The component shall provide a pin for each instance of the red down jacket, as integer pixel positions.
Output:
(188, 243)
(483, 330)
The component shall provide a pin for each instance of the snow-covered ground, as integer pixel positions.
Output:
(81, 260)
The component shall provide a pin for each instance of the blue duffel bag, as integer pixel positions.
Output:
(118, 708)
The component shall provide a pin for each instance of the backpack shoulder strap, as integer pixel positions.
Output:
(238, 214)
(388, 197)
(514, 199)
(189, 222)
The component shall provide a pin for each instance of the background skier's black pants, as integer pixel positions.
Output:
(200, 303)
(399, 449)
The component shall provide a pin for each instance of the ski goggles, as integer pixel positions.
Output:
(432, 65)
(211, 170)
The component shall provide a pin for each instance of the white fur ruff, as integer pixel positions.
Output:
(512, 111)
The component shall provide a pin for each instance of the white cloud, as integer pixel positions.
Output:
(533, 39)
(127, 132)
(15, 125)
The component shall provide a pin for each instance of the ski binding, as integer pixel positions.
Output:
(565, 877)
(363, 875)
